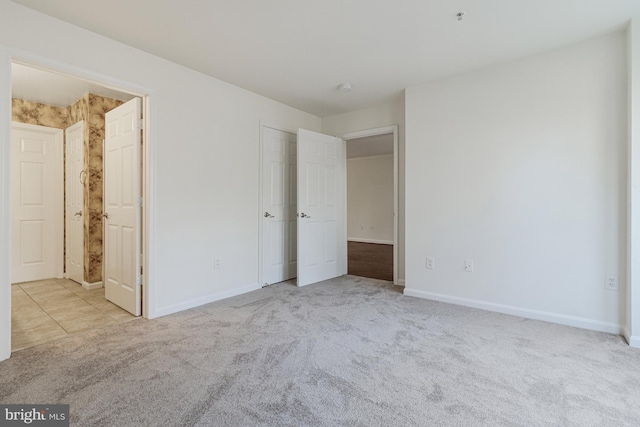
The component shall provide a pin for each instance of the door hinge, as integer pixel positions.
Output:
(139, 202)
(140, 124)
(139, 280)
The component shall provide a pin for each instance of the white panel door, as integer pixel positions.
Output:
(36, 202)
(279, 234)
(121, 217)
(321, 207)
(74, 201)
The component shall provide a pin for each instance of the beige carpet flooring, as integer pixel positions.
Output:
(346, 352)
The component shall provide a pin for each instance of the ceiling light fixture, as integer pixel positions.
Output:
(344, 87)
(460, 15)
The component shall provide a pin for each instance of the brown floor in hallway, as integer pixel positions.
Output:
(48, 310)
(370, 260)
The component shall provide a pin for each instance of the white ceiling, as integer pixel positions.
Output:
(36, 85)
(298, 51)
(378, 145)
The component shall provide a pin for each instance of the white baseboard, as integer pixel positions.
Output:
(632, 340)
(378, 242)
(91, 286)
(196, 302)
(578, 322)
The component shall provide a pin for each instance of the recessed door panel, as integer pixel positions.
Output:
(33, 232)
(277, 184)
(312, 187)
(32, 185)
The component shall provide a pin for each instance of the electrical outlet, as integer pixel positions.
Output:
(216, 264)
(430, 263)
(468, 265)
(611, 283)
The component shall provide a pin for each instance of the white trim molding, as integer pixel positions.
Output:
(633, 341)
(196, 302)
(91, 286)
(377, 242)
(5, 205)
(562, 319)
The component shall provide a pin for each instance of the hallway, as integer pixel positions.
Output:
(47, 310)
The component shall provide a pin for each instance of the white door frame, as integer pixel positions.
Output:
(383, 131)
(58, 200)
(260, 201)
(9, 55)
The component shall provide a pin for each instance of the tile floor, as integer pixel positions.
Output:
(51, 309)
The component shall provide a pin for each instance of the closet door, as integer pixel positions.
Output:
(322, 237)
(36, 203)
(279, 226)
(122, 207)
(74, 201)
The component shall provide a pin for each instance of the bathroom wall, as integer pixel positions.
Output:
(35, 113)
(90, 108)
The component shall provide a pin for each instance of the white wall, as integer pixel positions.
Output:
(522, 168)
(632, 326)
(204, 151)
(370, 199)
(370, 118)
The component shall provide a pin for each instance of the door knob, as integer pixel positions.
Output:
(304, 215)
(268, 215)
(105, 215)
(79, 213)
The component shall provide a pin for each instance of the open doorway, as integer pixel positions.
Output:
(370, 206)
(50, 304)
(372, 203)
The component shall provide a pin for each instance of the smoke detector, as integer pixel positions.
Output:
(344, 87)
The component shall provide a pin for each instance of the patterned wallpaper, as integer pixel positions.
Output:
(35, 113)
(90, 108)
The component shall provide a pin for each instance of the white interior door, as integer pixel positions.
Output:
(279, 234)
(74, 201)
(121, 217)
(321, 207)
(36, 202)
